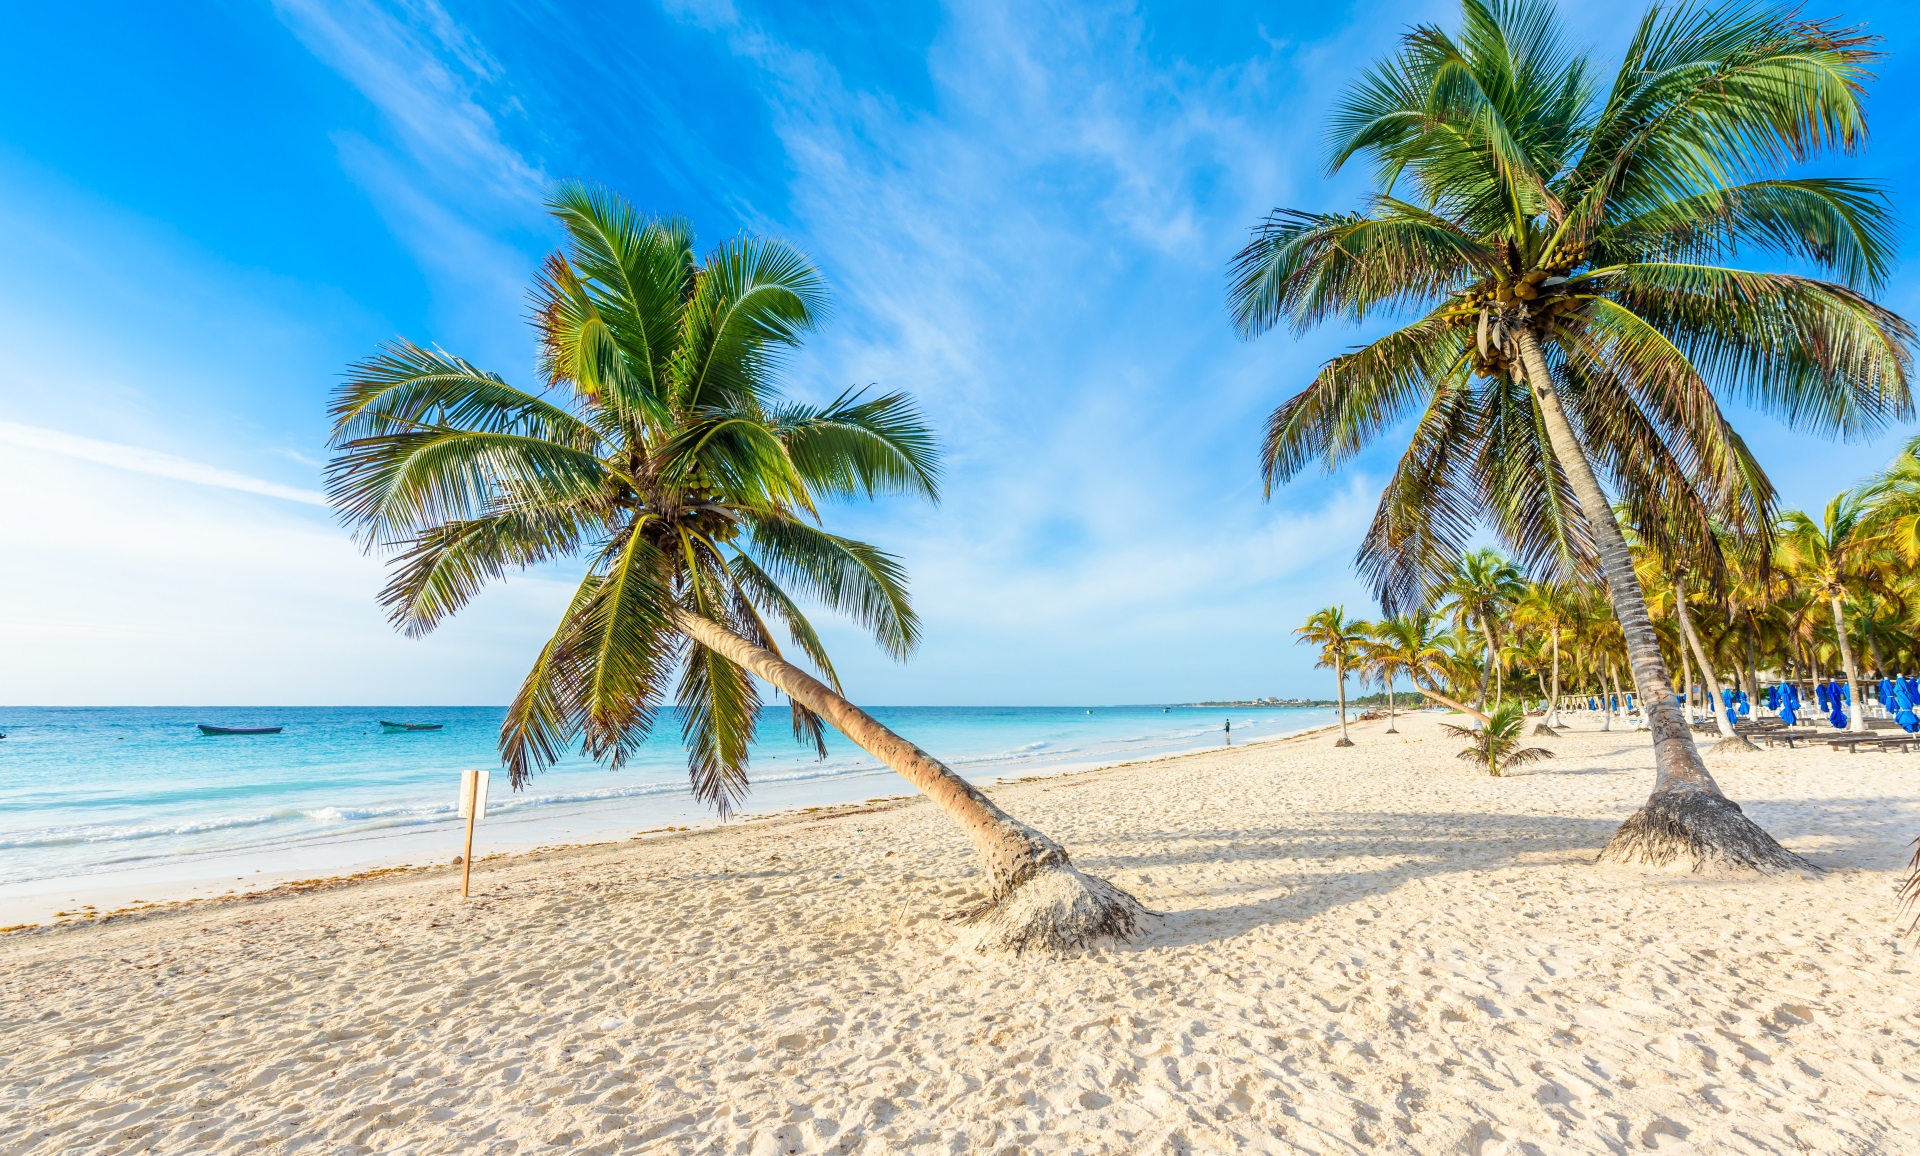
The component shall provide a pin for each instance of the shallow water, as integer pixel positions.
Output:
(85, 790)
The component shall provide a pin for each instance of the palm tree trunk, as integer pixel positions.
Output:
(1686, 674)
(1543, 727)
(1443, 700)
(1858, 722)
(1035, 896)
(1606, 703)
(1393, 714)
(1729, 739)
(1553, 716)
(1752, 672)
(1686, 818)
(1340, 672)
(1486, 672)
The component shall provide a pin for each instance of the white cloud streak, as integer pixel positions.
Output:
(1037, 254)
(153, 463)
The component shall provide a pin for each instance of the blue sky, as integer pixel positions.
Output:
(1025, 211)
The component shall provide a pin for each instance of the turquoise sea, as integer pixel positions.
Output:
(87, 790)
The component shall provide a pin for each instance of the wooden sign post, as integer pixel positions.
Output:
(473, 804)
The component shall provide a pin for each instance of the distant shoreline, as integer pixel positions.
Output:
(262, 870)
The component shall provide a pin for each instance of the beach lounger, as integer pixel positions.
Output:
(1852, 744)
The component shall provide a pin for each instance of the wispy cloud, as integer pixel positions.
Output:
(423, 70)
(1037, 254)
(153, 463)
(455, 193)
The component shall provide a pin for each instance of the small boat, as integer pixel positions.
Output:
(207, 730)
(401, 728)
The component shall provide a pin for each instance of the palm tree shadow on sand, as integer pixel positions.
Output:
(1287, 868)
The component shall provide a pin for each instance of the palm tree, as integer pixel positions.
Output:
(1397, 647)
(1893, 496)
(1497, 744)
(1825, 558)
(665, 456)
(1340, 640)
(1653, 571)
(1481, 589)
(1546, 608)
(1458, 661)
(1562, 243)
(1532, 653)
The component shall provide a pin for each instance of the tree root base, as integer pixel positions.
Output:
(1733, 745)
(1698, 832)
(1545, 730)
(1056, 909)
(1344, 743)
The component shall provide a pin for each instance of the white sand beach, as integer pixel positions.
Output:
(1367, 950)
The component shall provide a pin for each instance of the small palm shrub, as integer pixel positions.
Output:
(1497, 745)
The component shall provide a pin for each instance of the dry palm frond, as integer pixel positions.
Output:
(1910, 893)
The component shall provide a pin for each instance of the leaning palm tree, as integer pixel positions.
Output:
(1340, 640)
(663, 454)
(1827, 558)
(1496, 746)
(1562, 239)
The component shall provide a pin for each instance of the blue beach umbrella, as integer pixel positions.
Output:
(1903, 707)
(1790, 704)
(1820, 695)
(1773, 698)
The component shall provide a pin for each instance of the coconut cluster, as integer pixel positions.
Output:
(1486, 306)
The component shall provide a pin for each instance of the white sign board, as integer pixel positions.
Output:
(473, 794)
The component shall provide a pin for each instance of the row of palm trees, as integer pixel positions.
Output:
(1835, 596)
(1560, 239)
(1554, 241)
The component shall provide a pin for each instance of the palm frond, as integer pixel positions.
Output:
(405, 388)
(635, 272)
(1428, 512)
(850, 577)
(1815, 355)
(628, 644)
(755, 298)
(442, 569)
(1307, 267)
(545, 715)
(857, 445)
(1358, 395)
(391, 488)
(719, 714)
(1835, 224)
